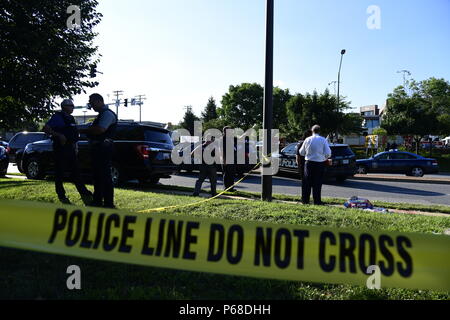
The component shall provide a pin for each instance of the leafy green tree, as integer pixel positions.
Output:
(210, 112)
(188, 120)
(304, 111)
(379, 132)
(42, 59)
(280, 99)
(420, 110)
(242, 106)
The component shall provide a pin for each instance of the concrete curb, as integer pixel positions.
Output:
(401, 179)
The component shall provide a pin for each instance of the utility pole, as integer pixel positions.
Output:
(266, 180)
(117, 93)
(140, 101)
(405, 72)
(339, 82)
(334, 85)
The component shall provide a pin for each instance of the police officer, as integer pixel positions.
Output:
(228, 164)
(100, 135)
(207, 170)
(63, 131)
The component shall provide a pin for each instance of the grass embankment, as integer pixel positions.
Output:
(26, 274)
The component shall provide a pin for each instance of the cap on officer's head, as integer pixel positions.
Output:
(67, 102)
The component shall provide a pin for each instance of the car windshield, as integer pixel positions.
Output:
(24, 139)
(341, 151)
(157, 136)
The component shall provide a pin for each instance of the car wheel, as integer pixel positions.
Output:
(34, 169)
(361, 170)
(417, 172)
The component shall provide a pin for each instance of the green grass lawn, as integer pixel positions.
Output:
(32, 275)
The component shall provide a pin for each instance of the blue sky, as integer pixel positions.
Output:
(180, 52)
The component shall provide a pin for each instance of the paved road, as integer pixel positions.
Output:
(390, 191)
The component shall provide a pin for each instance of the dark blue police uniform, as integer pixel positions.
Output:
(65, 156)
(101, 149)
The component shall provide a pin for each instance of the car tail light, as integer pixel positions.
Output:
(143, 151)
(8, 149)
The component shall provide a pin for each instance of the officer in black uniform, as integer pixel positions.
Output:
(228, 166)
(62, 128)
(207, 170)
(100, 135)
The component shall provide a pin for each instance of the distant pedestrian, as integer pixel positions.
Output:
(100, 135)
(228, 160)
(63, 131)
(394, 146)
(316, 151)
(207, 170)
(299, 158)
(388, 147)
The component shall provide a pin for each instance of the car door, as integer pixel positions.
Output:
(84, 157)
(382, 163)
(288, 158)
(401, 162)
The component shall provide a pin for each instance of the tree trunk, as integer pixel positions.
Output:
(417, 141)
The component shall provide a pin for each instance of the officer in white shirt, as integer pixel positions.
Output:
(316, 151)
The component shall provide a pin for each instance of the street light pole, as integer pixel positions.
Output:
(266, 180)
(339, 81)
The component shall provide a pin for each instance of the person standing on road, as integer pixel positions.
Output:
(228, 160)
(206, 170)
(63, 131)
(299, 158)
(100, 135)
(316, 151)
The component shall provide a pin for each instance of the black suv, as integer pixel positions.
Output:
(140, 152)
(343, 162)
(18, 143)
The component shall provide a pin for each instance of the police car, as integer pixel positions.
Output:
(342, 165)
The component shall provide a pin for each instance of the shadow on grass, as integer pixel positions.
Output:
(11, 184)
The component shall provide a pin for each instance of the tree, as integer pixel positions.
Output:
(188, 120)
(242, 106)
(304, 111)
(210, 112)
(42, 59)
(422, 110)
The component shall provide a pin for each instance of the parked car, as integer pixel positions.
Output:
(343, 163)
(398, 162)
(140, 152)
(4, 161)
(4, 144)
(18, 143)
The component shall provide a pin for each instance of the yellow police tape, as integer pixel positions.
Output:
(254, 249)
(197, 202)
(209, 199)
